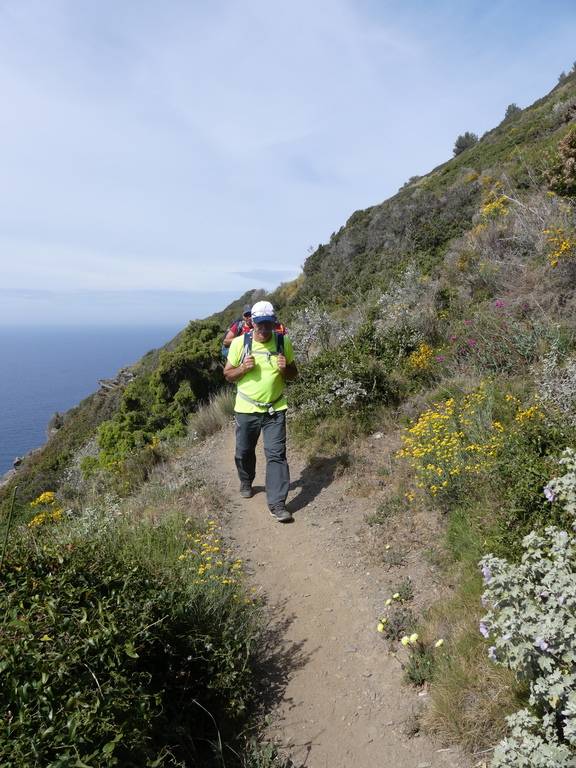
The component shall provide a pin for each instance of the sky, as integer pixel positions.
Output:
(159, 158)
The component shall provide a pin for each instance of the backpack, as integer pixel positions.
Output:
(239, 326)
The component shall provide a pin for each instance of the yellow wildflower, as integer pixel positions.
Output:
(421, 358)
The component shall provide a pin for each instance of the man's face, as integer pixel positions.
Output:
(248, 318)
(263, 331)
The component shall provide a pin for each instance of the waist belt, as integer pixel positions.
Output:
(269, 406)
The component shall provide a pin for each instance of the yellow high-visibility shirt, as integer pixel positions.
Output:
(264, 382)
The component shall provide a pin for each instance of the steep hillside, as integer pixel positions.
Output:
(418, 223)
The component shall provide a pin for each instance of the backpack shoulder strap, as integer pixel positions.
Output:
(279, 343)
(247, 344)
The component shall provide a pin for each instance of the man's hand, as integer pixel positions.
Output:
(235, 373)
(288, 371)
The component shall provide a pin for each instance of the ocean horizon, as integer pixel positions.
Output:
(51, 369)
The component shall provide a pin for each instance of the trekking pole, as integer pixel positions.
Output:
(8, 524)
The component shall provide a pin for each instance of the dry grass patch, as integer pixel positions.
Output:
(213, 416)
(470, 696)
(163, 496)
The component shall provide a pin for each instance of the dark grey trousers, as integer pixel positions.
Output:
(248, 428)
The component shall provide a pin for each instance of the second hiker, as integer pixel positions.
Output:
(238, 327)
(259, 363)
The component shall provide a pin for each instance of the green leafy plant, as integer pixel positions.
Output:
(118, 638)
(420, 665)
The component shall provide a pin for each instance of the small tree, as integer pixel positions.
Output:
(562, 76)
(464, 141)
(511, 111)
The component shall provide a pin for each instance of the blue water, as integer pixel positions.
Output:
(44, 370)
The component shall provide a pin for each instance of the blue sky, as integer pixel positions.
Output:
(160, 158)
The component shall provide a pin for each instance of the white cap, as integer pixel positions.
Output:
(263, 312)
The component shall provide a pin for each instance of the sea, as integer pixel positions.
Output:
(45, 370)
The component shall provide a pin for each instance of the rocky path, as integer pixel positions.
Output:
(339, 700)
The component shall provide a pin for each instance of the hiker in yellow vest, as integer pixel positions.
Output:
(260, 363)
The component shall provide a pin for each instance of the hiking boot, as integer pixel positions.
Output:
(246, 490)
(281, 514)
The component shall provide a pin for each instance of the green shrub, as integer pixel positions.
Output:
(346, 378)
(523, 469)
(122, 644)
(158, 403)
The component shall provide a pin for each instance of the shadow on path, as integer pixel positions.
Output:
(318, 474)
(278, 659)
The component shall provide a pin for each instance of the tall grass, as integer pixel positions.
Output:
(213, 416)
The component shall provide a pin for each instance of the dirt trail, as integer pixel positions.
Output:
(340, 701)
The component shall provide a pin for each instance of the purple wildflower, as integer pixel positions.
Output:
(486, 574)
(499, 303)
(549, 493)
(471, 342)
(492, 653)
(440, 358)
(539, 642)
(453, 338)
(467, 322)
(484, 631)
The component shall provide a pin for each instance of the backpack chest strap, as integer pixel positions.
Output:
(269, 406)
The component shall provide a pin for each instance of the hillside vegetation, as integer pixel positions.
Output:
(446, 313)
